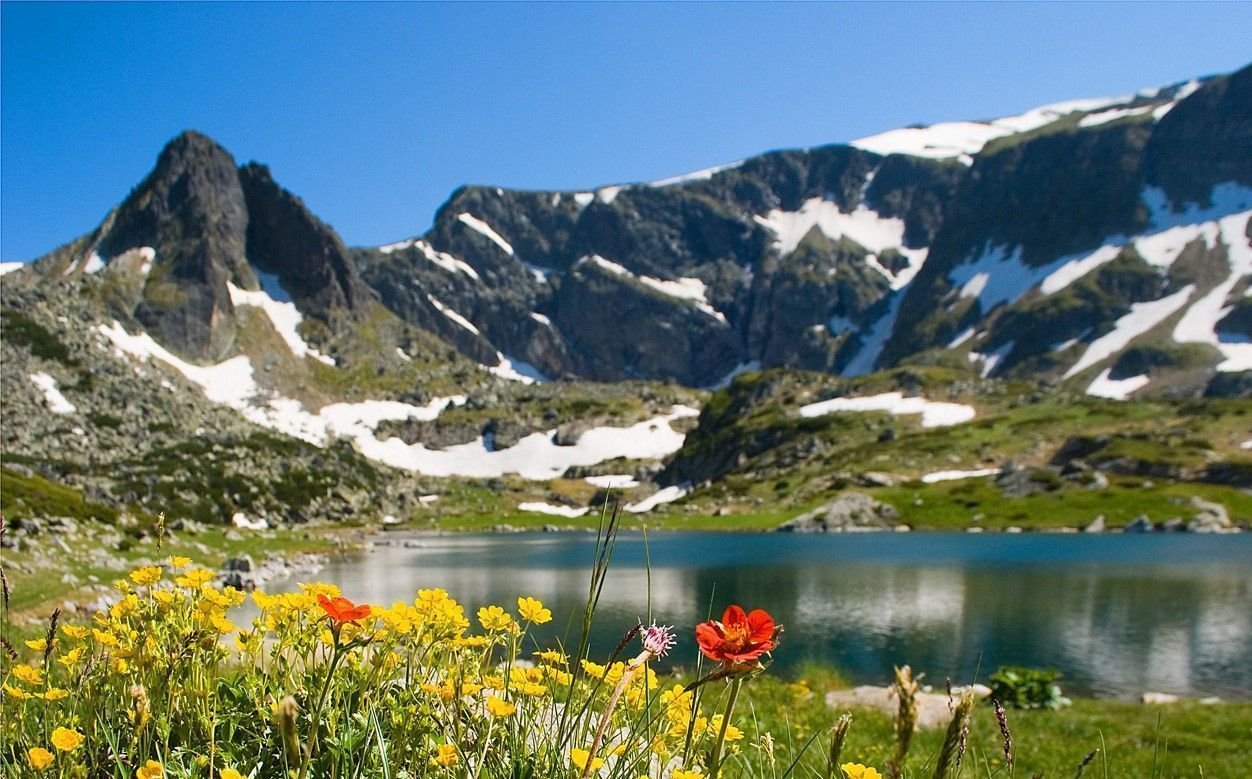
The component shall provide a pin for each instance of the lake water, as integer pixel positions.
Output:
(1117, 614)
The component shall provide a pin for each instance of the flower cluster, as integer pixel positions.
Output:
(309, 683)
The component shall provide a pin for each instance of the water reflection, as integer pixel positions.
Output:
(1105, 610)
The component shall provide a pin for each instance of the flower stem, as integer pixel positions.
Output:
(631, 667)
(715, 758)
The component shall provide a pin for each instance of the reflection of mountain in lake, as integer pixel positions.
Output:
(1105, 610)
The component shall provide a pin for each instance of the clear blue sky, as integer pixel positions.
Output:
(374, 113)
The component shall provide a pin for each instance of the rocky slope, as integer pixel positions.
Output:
(1097, 246)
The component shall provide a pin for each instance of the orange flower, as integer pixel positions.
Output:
(342, 610)
(738, 638)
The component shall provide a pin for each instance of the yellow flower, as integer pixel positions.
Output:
(222, 624)
(16, 693)
(55, 694)
(102, 637)
(499, 707)
(183, 562)
(494, 618)
(37, 644)
(533, 611)
(66, 740)
(148, 575)
(552, 658)
(164, 598)
(39, 758)
(579, 758)
(27, 674)
(195, 578)
(445, 755)
(228, 773)
(684, 773)
(150, 770)
(76, 632)
(858, 771)
(71, 657)
(593, 669)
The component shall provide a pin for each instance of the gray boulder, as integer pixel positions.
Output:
(850, 512)
(1140, 524)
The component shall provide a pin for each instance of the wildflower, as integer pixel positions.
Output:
(738, 637)
(341, 610)
(76, 632)
(445, 756)
(532, 610)
(37, 644)
(150, 770)
(552, 658)
(39, 758)
(27, 674)
(499, 707)
(183, 562)
(494, 618)
(686, 773)
(579, 758)
(147, 575)
(104, 637)
(55, 694)
(221, 624)
(658, 640)
(66, 740)
(17, 693)
(230, 773)
(858, 771)
(195, 578)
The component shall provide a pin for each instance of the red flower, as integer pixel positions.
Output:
(738, 638)
(342, 610)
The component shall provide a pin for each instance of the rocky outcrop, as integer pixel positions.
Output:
(849, 513)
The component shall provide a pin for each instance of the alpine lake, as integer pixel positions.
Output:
(1117, 614)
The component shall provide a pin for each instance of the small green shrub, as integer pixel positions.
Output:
(1027, 688)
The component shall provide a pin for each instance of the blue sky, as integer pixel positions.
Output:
(374, 113)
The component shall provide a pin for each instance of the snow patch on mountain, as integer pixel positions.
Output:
(535, 456)
(94, 263)
(873, 342)
(478, 225)
(1199, 323)
(444, 260)
(961, 140)
(282, 312)
(934, 413)
(1112, 115)
(743, 367)
(699, 175)
(517, 370)
(685, 288)
(875, 232)
(991, 360)
(1116, 389)
(538, 507)
(658, 498)
(607, 195)
(9, 267)
(937, 476)
(1142, 318)
(229, 382)
(453, 315)
(613, 481)
(57, 403)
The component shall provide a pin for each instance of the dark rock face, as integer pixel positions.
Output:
(286, 239)
(191, 210)
(1204, 140)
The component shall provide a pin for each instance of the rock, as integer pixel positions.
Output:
(1210, 517)
(1140, 524)
(932, 708)
(850, 512)
(1012, 529)
(1173, 525)
(1157, 698)
(1095, 526)
(569, 433)
(1098, 481)
(875, 479)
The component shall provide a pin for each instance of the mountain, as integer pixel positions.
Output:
(1096, 247)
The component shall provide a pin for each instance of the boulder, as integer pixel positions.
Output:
(1210, 517)
(1140, 524)
(850, 512)
(1096, 525)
